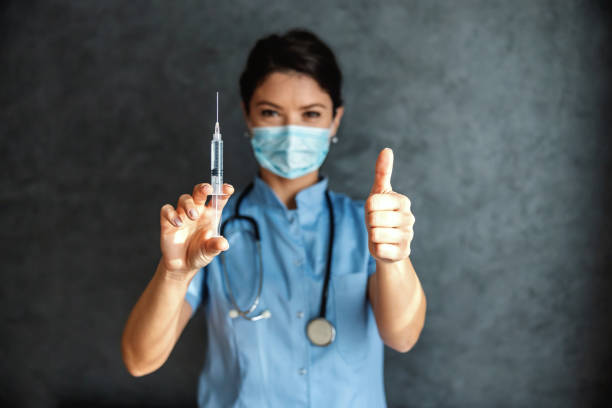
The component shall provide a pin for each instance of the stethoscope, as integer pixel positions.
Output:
(319, 330)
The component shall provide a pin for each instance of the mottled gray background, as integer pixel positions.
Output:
(498, 115)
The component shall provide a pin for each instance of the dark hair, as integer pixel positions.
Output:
(297, 50)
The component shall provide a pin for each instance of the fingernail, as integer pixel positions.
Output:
(178, 222)
(193, 213)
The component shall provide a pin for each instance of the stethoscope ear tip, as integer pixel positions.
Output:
(233, 313)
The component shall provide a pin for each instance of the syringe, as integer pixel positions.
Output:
(216, 171)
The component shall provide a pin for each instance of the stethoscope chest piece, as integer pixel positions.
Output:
(320, 331)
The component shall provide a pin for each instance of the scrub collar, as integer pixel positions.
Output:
(310, 199)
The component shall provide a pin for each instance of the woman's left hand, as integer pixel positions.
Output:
(387, 215)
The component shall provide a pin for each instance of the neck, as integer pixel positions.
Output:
(287, 189)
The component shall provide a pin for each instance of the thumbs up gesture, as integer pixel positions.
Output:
(387, 215)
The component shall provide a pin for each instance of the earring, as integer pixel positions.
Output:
(334, 139)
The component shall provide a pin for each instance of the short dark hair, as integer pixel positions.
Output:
(297, 50)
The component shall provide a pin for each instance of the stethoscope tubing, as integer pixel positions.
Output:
(266, 313)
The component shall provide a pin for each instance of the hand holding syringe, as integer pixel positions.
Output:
(190, 233)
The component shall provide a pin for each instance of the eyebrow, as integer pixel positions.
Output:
(312, 105)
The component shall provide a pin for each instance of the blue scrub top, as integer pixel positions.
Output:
(271, 362)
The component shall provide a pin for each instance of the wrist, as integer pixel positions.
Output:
(398, 267)
(179, 276)
(390, 263)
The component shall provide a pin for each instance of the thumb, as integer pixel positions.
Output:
(213, 246)
(209, 248)
(382, 172)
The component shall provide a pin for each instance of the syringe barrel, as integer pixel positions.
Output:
(216, 166)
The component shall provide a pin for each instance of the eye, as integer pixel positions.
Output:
(269, 112)
(312, 114)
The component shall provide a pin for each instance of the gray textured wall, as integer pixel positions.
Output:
(497, 113)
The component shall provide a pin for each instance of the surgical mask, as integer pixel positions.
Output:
(290, 151)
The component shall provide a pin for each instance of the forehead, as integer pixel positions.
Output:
(291, 89)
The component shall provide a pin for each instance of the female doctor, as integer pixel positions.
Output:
(305, 285)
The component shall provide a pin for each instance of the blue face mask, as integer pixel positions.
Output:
(290, 151)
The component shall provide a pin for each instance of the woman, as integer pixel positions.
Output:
(338, 282)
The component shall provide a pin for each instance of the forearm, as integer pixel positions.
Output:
(151, 329)
(399, 304)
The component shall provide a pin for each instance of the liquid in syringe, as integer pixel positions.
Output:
(216, 171)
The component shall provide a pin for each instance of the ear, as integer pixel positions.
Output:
(245, 115)
(336, 120)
